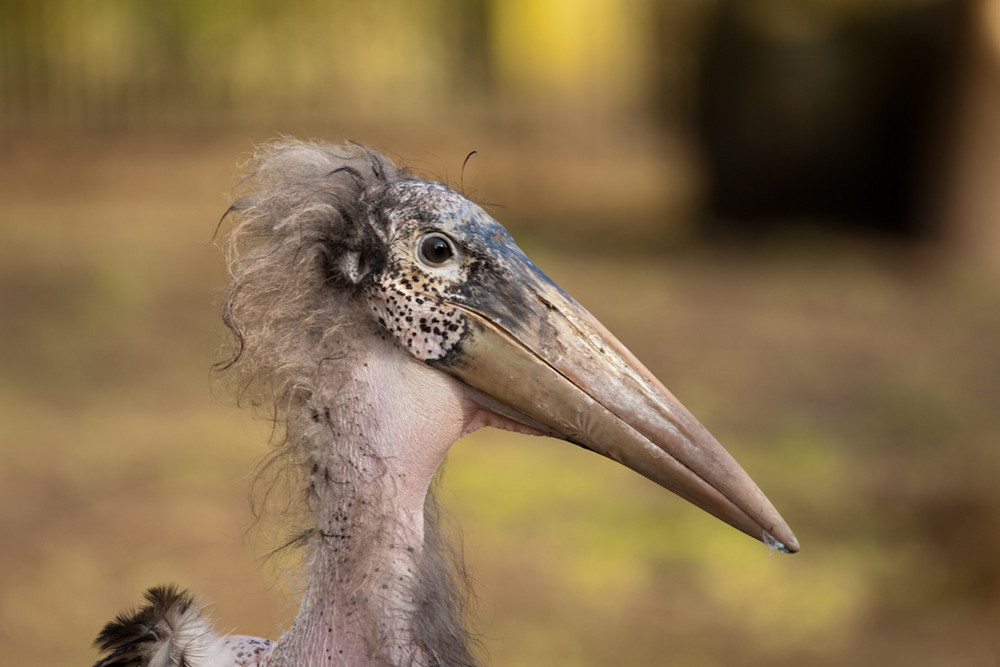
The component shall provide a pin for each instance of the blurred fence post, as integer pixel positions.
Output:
(971, 210)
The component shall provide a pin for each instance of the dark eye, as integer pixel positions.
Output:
(436, 249)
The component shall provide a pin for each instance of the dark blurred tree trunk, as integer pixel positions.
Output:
(810, 117)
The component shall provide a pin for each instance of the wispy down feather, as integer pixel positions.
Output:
(170, 630)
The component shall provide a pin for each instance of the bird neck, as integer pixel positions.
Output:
(379, 590)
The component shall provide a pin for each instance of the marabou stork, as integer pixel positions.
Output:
(386, 316)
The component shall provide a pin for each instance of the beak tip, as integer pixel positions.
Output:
(788, 545)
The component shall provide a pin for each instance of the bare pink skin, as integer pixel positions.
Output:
(408, 415)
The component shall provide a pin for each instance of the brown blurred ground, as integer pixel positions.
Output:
(856, 377)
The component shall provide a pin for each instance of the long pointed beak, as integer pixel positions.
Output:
(531, 347)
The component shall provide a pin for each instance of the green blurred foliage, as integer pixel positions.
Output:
(104, 64)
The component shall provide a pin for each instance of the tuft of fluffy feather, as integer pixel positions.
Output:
(170, 630)
(307, 215)
(304, 231)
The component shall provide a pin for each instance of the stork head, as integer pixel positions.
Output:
(437, 276)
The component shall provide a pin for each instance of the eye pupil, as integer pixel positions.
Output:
(435, 250)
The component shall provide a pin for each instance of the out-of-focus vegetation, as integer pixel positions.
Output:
(855, 373)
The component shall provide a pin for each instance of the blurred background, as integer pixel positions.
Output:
(788, 209)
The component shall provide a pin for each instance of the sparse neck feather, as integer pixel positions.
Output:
(380, 591)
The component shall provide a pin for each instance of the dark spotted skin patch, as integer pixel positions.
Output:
(248, 651)
(410, 307)
(408, 297)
